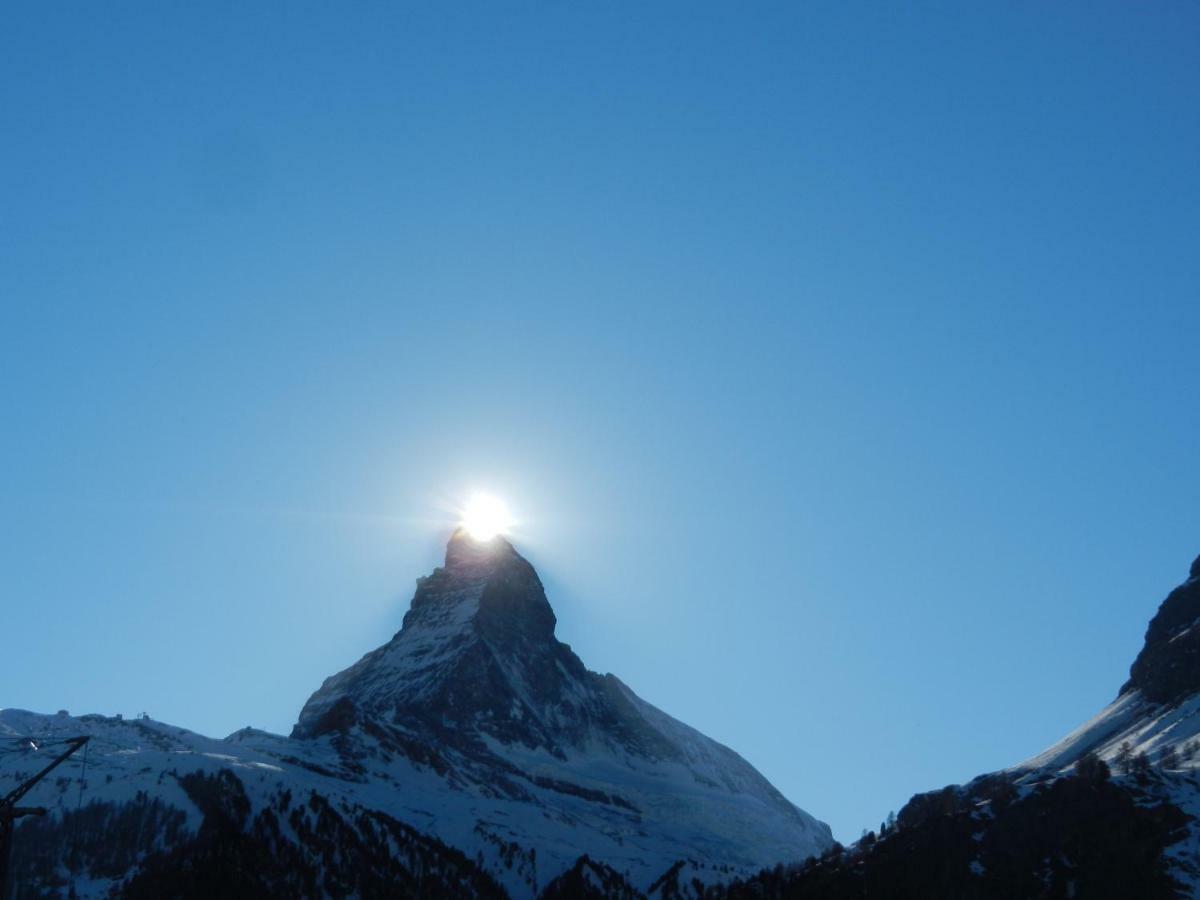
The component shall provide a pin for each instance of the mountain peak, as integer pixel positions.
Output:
(466, 554)
(485, 586)
(476, 690)
(476, 627)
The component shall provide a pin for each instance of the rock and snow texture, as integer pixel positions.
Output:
(1156, 716)
(476, 726)
(1158, 708)
(477, 676)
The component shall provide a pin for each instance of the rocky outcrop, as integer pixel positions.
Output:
(1168, 667)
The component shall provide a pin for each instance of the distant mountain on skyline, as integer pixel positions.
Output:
(473, 749)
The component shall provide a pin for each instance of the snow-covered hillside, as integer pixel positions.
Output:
(474, 726)
(1149, 736)
(1110, 812)
(1158, 709)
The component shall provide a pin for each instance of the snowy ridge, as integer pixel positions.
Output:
(1130, 719)
(1158, 709)
(411, 662)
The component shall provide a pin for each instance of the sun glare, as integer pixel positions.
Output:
(486, 516)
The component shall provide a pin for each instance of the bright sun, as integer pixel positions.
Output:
(486, 516)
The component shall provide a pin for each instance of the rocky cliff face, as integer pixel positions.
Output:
(1168, 668)
(477, 658)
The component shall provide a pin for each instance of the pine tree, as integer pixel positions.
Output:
(1124, 758)
(1091, 767)
(1140, 764)
(1168, 758)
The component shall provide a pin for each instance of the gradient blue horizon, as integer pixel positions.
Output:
(839, 361)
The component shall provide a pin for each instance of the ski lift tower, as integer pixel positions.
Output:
(10, 812)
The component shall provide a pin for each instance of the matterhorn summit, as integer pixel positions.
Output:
(476, 686)
(473, 754)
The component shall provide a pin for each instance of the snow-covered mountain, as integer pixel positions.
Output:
(1110, 811)
(473, 749)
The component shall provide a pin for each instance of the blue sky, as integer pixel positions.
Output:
(839, 360)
